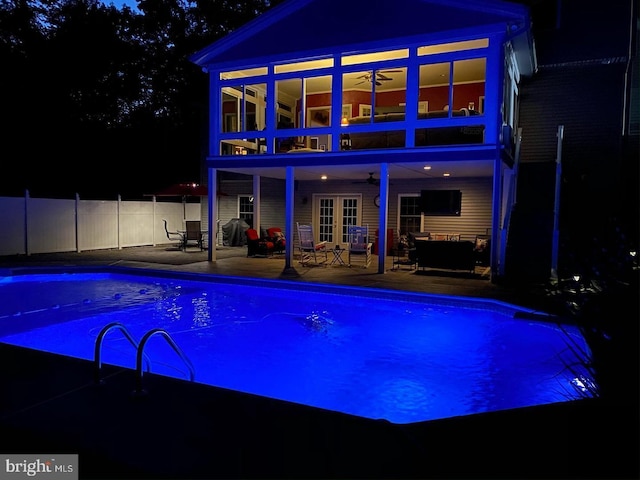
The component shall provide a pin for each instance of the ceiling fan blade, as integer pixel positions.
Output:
(383, 77)
(378, 83)
(390, 71)
(364, 81)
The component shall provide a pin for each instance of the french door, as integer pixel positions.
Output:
(333, 214)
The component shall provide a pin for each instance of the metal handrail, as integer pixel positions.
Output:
(98, 347)
(172, 343)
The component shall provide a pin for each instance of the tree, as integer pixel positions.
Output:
(94, 88)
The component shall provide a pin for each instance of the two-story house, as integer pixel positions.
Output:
(353, 113)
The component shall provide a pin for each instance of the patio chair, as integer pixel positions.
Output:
(359, 245)
(193, 234)
(174, 236)
(482, 249)
(275, 235)
(257, 246)
(309, 249)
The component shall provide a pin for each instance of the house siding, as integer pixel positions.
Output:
(589, 109)
(588, 101)
(272, 212)
(475, 217)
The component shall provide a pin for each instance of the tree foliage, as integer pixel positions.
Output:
(99, 100)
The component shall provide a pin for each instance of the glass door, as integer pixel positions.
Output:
(333, 216)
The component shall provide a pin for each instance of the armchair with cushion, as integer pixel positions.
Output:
(275, 235)
(257, 246)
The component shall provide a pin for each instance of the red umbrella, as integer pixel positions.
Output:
(183, 190)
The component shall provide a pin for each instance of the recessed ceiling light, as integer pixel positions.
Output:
(323, 177)
(446, 174)
(427, 167)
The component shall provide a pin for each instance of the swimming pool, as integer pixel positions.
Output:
(378, 354)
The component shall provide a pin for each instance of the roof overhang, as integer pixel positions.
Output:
(314, 26)
(471, 161)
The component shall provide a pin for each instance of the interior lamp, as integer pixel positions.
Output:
(345, 138)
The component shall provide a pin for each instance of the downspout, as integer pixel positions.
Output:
(556, 206)
(628, 70)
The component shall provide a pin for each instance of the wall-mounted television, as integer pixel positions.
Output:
(441, 202)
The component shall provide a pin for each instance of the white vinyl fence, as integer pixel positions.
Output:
(45, 225)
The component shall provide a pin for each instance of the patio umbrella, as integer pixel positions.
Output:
(183, 190)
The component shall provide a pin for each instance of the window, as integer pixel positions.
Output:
(364, 110)
(299, 96)
(245, 208)
(410, 218)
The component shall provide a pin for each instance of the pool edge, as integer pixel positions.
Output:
(176, 431)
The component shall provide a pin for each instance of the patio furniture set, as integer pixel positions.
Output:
(192, 235)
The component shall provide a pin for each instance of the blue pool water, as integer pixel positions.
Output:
(372, 353)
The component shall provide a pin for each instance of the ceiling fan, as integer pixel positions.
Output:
(370, 180)
(380, 77)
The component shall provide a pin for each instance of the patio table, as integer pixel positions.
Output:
(337, 256)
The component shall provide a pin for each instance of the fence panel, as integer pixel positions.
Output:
(136, 223)
(67, 225)
(51, 225)
(12, 233)
(97, 224)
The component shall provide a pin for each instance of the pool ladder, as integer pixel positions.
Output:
(140, 355)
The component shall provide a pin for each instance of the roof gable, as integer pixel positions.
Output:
(314, 26)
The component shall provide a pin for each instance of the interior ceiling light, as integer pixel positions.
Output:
(323, 177)
(427, 167)
(446, 174)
